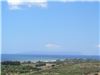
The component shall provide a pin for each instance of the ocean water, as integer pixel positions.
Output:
(25, 57)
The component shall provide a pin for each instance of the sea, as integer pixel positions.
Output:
(46, 58)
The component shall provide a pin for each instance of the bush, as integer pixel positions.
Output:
(10, 63)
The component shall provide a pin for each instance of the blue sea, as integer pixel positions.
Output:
(26, 57)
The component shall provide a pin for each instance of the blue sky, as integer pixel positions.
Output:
(57, 28)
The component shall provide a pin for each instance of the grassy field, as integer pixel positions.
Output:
(65, 67)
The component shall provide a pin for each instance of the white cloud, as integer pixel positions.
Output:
(15, 4)
(18, 3)
(52, 45)
(98, 46)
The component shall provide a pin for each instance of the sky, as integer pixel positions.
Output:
(53, 28)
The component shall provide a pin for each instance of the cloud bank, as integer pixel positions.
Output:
(16, 4)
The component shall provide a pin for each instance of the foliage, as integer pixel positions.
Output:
(65, 67)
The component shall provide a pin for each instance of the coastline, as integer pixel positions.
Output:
(45, 58)
(59, 67)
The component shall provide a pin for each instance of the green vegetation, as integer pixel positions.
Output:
(65, 67)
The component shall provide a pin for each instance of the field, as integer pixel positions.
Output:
(65, 67)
